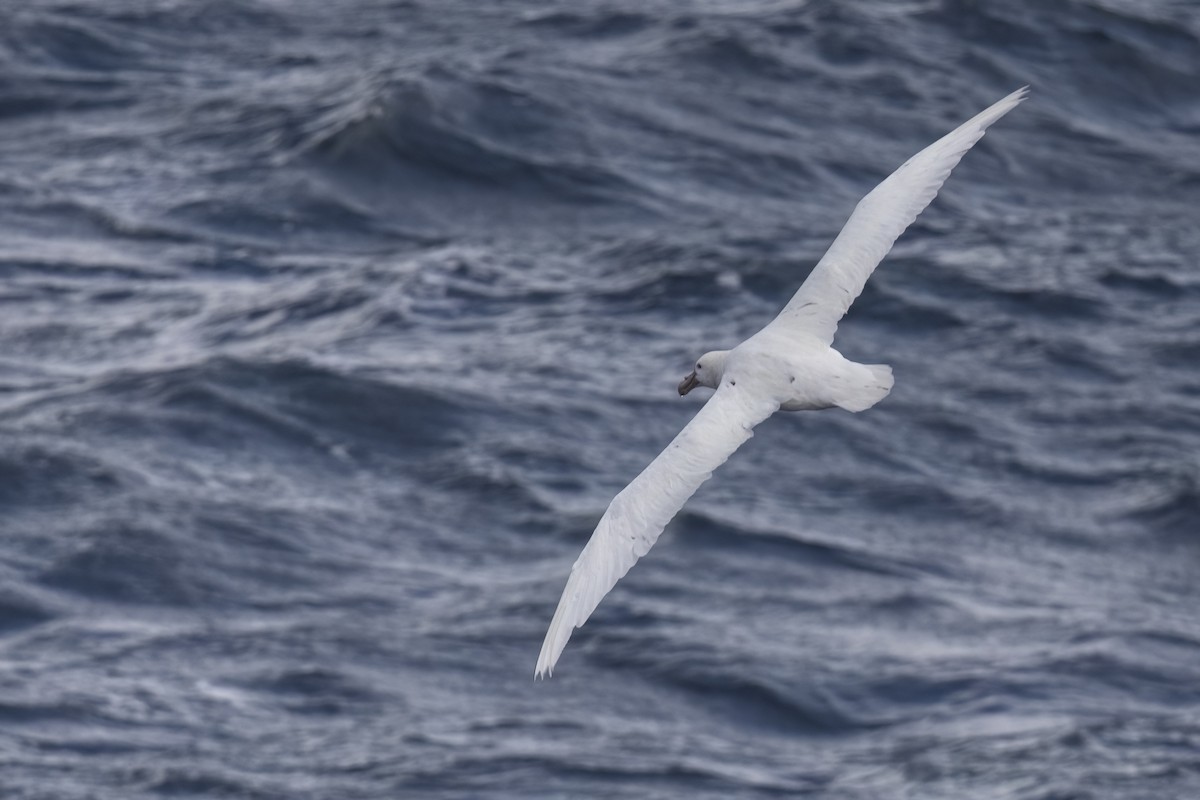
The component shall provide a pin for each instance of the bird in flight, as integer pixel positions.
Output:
(789, 365)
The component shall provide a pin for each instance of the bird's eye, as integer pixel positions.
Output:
(697, 366)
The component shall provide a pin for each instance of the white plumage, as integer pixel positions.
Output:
(787, 365)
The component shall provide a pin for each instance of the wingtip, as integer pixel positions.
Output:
(989, 115)
(546, 658)
(1016, 97)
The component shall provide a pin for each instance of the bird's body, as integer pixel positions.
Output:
(803, 375)
(789, 365)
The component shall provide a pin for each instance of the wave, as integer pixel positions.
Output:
(20, 609)
(440, 134)
(295, 400)
(1169, 504)
(130, 563)
(44, 475)
(589, 24)
(757, 542)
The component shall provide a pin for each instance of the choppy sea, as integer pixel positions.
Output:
(329, 329)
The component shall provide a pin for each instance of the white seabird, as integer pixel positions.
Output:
(788, 365)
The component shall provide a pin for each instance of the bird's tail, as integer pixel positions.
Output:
(875, 385)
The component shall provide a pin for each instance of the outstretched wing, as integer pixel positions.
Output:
(638, 514)
(877, 221)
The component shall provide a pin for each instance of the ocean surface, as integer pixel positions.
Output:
(329, 329)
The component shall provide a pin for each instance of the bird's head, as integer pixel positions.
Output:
(708, 372)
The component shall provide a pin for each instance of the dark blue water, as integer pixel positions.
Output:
(329, 329)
